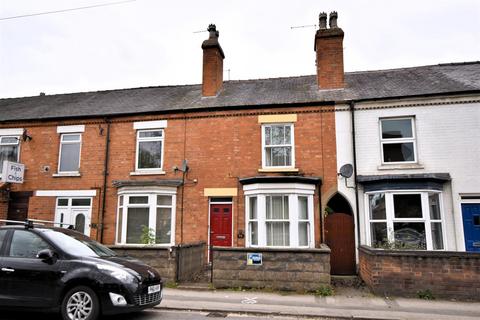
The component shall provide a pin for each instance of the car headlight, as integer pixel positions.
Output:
(117, 273)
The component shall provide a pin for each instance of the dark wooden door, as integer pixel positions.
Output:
(18, 205)
(221, 225)
(340, 237)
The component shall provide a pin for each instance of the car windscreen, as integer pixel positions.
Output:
(78, 244)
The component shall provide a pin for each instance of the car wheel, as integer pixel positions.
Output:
(80, 303)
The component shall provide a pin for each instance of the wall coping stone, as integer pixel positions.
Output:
(155, 247)
(323, 249)
(418, 253)
(139, 246)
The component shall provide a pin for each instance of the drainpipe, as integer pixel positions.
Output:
(354, 150)
(105, 175)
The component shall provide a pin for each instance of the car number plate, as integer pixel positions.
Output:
(153, 289)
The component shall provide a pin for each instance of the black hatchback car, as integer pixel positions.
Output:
(63, 270)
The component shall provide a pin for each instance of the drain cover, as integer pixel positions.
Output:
(217, 315)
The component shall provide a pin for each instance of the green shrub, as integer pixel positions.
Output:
(323, 291)
(425, 294)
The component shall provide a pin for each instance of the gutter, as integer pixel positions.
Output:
(105, 175)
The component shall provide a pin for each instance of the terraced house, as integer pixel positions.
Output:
(264, 172)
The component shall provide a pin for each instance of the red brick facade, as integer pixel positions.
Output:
(220, 147)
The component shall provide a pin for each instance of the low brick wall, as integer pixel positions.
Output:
(282, 269)
(191, 260)
(161, 259)
(177, 263)
(447, 274)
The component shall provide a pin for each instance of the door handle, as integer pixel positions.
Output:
(8, 270)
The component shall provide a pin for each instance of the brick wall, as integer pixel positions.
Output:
(221, 147)
(404, 273)
(177, 263)
(283, 269)
(162, 259)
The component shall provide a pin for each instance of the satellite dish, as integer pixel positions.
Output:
(346, 170)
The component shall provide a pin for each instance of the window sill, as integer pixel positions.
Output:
(146, 173)
(71, 174)
(401, 166)
(278, 170)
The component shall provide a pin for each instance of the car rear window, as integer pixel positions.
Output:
(78, 244)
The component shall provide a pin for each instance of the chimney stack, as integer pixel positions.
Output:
(329, 49)
(213, 56)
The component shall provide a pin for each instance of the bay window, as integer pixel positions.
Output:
(146, 217)
(279, 216)
(408, 219)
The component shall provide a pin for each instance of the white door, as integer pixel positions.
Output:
(80, 219)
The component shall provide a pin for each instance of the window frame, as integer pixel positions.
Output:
(17, 137)
(294, 192)
(390, 215)
(412, 139)
(149, 139)
(70, 142)
(124, 205)
(291, 145)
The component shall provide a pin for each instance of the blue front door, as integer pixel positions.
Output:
(471, 226)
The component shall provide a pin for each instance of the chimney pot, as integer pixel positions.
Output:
(333, 20)
(322, 20)
(212, 29)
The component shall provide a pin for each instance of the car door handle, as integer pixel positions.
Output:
(8, 270)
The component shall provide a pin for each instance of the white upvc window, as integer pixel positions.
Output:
(405, 219)
(398, 141)
(279, 216)
(146, 217)
(149, 150)
(278, 147)
(69, 155)
(9, 149)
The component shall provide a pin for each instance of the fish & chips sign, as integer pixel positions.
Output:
(12, 172)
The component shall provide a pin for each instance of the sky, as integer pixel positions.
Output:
(154, 42)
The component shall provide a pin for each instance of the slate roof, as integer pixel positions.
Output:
(381, 84)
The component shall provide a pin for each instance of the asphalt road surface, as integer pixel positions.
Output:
(157, 314)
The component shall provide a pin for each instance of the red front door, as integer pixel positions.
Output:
(221, 225)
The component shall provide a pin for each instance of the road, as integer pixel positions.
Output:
(146, 315)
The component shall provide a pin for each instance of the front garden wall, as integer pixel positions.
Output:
(446, 274)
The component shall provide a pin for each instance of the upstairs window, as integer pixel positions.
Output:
(278, 146)
(9, 149)
(398, 140)
(69, 161)
(149, 149)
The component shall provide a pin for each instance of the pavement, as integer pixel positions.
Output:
(339, 306)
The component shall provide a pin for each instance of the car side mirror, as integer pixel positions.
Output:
(45, 254)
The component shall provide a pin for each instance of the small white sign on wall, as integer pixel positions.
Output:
(13, 172)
